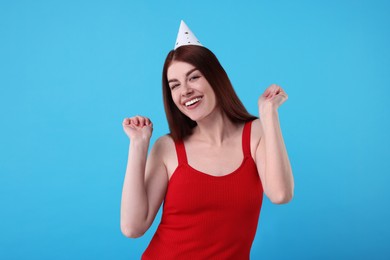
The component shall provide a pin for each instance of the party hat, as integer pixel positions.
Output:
(185, 36)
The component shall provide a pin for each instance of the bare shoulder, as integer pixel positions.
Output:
(166, 150)
(256, 134)
(164, 144)
(164, 141)
(257, 129)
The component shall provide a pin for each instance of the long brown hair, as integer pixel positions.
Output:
(207, 63)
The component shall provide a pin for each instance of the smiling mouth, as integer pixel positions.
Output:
(192, 101)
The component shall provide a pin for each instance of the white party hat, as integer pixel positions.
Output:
(185, 37)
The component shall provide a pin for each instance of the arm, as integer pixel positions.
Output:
(271, 154)
(145, 180)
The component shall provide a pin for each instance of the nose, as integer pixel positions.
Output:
(187, 91)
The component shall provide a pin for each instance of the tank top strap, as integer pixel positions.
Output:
(181, 152)
(246, 139)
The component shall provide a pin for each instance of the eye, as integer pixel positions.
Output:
(194, 78)
(174, 86)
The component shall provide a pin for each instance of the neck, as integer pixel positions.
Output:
(214, 129)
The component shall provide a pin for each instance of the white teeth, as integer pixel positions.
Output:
(192, 101)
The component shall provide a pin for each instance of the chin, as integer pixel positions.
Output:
(192, 117)
(196, 118)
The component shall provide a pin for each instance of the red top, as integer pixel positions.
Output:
(209, 217)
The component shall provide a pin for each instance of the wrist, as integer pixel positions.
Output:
(139, 141)
(267, 111)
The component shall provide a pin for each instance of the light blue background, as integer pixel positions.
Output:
(70, 71)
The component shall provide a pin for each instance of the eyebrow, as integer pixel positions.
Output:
(188, 73)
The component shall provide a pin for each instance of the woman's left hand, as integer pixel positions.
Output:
(272, 98)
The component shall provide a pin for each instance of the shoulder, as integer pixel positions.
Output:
(256, 129)
(164, 143)
(166, 152)
(164, 147)
(256, 134)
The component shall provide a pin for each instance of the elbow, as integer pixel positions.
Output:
(282, 197)
(282, 193)
(131, 232)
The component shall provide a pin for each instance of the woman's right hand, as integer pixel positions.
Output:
(138, 127)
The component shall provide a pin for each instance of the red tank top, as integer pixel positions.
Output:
(209, 217)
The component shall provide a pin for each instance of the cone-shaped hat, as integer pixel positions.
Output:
(185, 37)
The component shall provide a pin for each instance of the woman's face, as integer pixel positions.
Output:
(190, 90)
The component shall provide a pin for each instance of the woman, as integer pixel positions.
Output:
(211, 170)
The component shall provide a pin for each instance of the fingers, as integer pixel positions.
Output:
(147, 121)
(137, 122)
(126, 121)
(274, 90)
